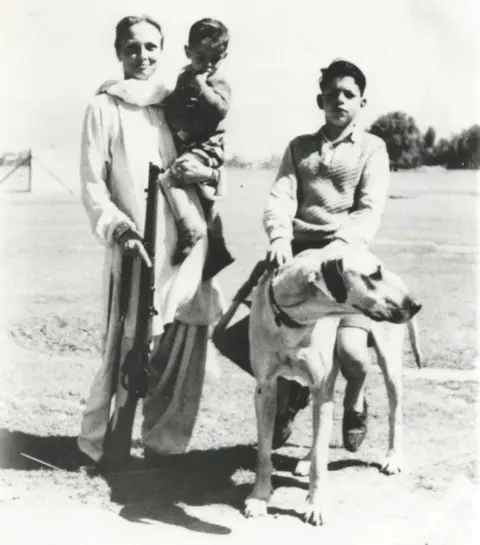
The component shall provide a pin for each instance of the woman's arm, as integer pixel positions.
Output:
(210, 181)
(107, 221)
(192, 171)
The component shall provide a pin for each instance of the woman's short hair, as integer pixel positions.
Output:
(124, 25)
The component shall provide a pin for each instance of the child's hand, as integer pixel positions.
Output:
(199, 81)
(279, 253)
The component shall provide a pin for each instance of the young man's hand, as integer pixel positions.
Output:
(279, 253)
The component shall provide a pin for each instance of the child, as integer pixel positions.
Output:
(332, 187)
(195, 111)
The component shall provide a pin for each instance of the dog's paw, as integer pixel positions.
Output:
(302, 468)
(255, 508)
(392, 464)
(314, 515)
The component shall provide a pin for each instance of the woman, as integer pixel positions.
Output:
(119, 140)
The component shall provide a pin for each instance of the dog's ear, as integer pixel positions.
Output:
(332, 275)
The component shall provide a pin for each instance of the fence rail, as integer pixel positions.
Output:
(26, 160)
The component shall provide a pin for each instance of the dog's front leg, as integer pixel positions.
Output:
(322, 398)
(266, 407)
(389, 351)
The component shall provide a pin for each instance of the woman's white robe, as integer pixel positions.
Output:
(118, 142)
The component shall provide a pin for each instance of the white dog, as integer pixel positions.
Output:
(293, 323)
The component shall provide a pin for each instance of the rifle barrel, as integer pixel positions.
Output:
(135, 373)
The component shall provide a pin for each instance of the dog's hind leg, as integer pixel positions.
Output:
(266, 407)
(389, 346)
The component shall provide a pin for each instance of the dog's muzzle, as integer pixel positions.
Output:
(393, 313)
(411, 307)
(415, 307)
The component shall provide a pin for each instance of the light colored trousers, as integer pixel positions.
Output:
(171, 406)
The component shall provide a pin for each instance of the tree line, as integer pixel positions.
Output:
(407, 146)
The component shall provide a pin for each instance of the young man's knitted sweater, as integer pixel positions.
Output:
(326, 190)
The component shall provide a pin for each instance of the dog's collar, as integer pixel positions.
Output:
(334, 280)
(281, 317)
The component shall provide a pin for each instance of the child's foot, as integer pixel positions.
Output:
(218, 257)
(187, 238)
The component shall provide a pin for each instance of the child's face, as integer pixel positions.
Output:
(204, 57)
(341, 101)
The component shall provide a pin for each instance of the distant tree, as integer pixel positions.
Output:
(271, 162)
(440, 152)
(429, 138)
(403, 139)
(237, 162)
(471, 147)
(428, 147)
(461, 151)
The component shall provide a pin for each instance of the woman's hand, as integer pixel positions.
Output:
(131, 244)
(190, 170)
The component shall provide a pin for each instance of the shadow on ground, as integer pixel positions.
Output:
(27, 452)
(160, 489)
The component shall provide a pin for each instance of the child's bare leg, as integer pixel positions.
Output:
(191, 225)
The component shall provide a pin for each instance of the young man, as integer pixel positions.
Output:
(332, 187)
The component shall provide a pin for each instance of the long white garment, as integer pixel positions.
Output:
(118, 142)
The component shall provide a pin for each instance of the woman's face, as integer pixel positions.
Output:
(140, 50)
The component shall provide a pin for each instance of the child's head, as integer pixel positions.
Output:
(207, 45)
(342, 84)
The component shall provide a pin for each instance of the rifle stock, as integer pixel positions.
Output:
(130, 377)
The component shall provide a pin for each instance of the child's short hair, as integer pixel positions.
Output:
(340, 69)
(209, 28)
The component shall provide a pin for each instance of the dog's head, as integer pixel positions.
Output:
(360, 280)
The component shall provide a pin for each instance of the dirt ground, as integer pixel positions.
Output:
(49, 333)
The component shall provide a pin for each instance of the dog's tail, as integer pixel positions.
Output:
(412, 326)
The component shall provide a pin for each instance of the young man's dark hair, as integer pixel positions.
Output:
(341, 69)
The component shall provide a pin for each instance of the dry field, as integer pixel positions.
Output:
(49, 296)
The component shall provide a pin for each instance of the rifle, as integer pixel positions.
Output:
(132, 374)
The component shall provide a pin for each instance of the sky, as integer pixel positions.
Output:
(420, 57)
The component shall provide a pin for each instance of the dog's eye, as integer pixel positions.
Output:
(377, 275)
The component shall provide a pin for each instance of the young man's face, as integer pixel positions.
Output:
(204, 57)
(341, 101)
